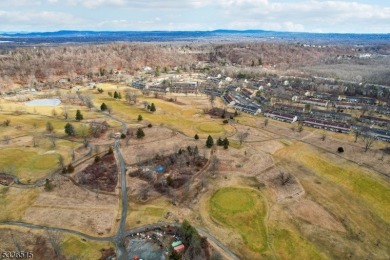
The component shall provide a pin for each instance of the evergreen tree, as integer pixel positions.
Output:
(140, 118)
(48, 185)
(103, 107)
(79, 116)
(70, 168)
(225, 143)
(116, 96)
(196, 137)
(219, 142)
(140, 133)
(152, 107)
(69, 129)
(209, 141)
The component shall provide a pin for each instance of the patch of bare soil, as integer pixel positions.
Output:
(159, 142)
(314, 214)
(284, 189)
(254, 134)
(250, 160)
(101, 175)
(270, 146)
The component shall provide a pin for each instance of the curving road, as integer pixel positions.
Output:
(118, 239)
(120, 235)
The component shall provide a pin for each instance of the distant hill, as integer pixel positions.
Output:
(71, 36)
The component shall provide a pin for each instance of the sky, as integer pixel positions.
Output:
(337, 16)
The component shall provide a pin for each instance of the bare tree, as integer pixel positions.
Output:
(54, 112)
(242, 136)
(6, 122)
(144, 193)
(87, 100)
(131, 97)
(214, 165)
(35, 140)
(129, 135)
(212, 98)
(285, 178)
(61, 161)
(356, 133)
(49, 127)
(6, 139)
(65, 112)
(53, 140)
(17, 244)
(368, 141)
(55, 241)
(85, 133)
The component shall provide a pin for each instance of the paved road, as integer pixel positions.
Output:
(118, 239)
(33, 226)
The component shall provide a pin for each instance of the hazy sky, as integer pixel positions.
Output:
(360, 16)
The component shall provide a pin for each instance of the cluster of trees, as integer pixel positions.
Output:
(98, 62)
(224, 142)
(220, 142)
(197, 246)
(6, 122)
(151, 107)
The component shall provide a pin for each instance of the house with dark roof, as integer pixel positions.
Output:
(281, 116)
(374, 120)
(327, 125)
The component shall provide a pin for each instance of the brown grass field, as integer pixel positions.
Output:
(336, 206)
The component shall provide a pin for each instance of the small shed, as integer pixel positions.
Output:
(176, 243)
(179, 248)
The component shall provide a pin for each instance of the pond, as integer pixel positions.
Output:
(47, 102)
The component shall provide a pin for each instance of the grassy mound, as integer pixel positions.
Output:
(242, 210)
(210, 127)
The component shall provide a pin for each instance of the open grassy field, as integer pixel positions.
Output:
(187, 119)
(82, 248)
(140, 214)
(28, 164)
(288, 244)
(14, 202)
(354, 196)
(372, 191)
(242, 210)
